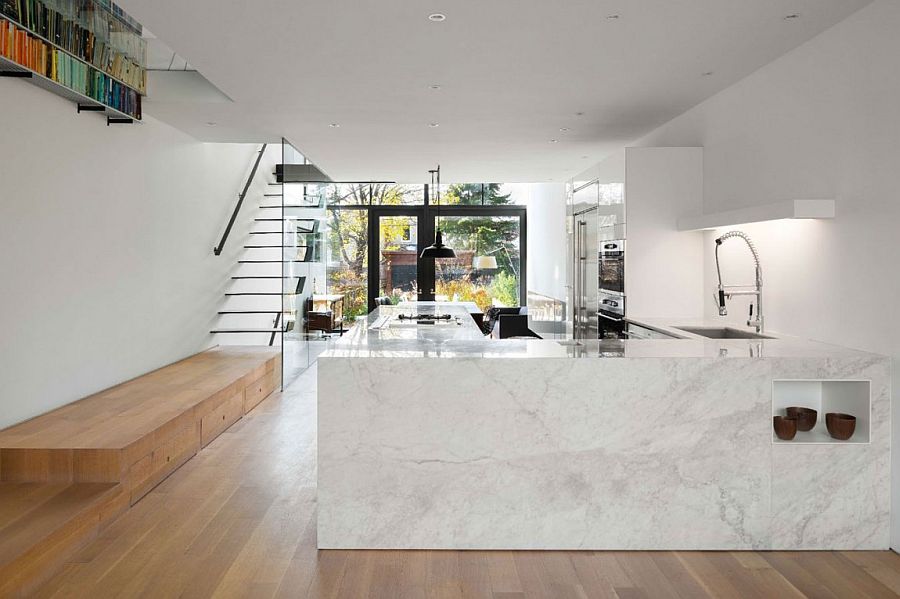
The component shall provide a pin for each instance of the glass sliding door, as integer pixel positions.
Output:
(396, 272)
(398, 251)
(488, 269)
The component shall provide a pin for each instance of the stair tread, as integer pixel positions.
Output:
(270, 330)
(288, 206)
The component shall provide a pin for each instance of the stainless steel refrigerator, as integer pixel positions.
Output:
(583, 264)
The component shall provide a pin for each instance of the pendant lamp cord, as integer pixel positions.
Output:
(437, 192)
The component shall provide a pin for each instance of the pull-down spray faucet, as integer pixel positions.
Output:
(723, 294)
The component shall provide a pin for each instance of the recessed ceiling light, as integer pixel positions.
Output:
(584, 157)
(579, 114)
(792, 16)
(436, 17)
(563, 129)
(334, 125)
(612, 17)
(706, 74)
(553, 141)
(211, 124)
(434, 86)
(432, 125)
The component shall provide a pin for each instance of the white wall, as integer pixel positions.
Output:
(662, 276)
(106, 237)
(546, 273)
(823, 121)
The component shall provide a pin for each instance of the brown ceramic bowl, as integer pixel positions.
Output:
(806, 417)
(840, 426)
(785, 427)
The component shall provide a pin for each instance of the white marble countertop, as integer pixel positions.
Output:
(381, 334)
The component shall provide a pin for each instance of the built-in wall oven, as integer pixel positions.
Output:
(612, 266)
(611, 316)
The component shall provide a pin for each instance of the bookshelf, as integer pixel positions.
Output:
(87, 51)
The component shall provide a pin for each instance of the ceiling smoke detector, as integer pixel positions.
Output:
(334, 125)
(433, 125)
(553, 141)
(437, 17)
(434, 86)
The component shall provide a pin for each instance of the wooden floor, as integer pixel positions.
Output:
(238, 520)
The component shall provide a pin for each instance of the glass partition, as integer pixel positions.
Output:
(308, 314)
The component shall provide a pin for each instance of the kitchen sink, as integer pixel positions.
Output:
(723, 333)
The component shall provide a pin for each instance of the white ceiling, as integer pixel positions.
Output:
(512, 74)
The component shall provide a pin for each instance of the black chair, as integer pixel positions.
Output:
(514, 325)
(507, 322)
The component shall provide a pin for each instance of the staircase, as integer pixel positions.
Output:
(252, 312)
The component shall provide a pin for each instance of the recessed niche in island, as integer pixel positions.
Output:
(824, 396)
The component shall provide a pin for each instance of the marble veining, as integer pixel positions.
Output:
(663, 447)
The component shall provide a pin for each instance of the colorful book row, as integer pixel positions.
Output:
(87, 31)
(33, 53)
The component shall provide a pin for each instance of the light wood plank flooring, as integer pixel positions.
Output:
(238, 520)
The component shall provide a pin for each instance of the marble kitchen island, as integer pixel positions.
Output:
(432, 437)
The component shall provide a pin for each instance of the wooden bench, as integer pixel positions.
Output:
(67, 473)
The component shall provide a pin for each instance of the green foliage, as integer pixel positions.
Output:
(473, 194)
(505, 289)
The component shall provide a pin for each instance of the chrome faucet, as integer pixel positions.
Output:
(723, 293)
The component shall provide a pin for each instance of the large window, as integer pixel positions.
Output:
(375, 232)
(487, 266)
(349, 210)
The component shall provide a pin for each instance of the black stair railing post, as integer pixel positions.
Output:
(218, 249)
(277, 320)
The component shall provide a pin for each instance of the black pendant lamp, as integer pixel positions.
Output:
(437, 249)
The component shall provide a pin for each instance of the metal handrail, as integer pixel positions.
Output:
(218, 249)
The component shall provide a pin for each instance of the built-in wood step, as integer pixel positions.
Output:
(42, 523)
(95, 457)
